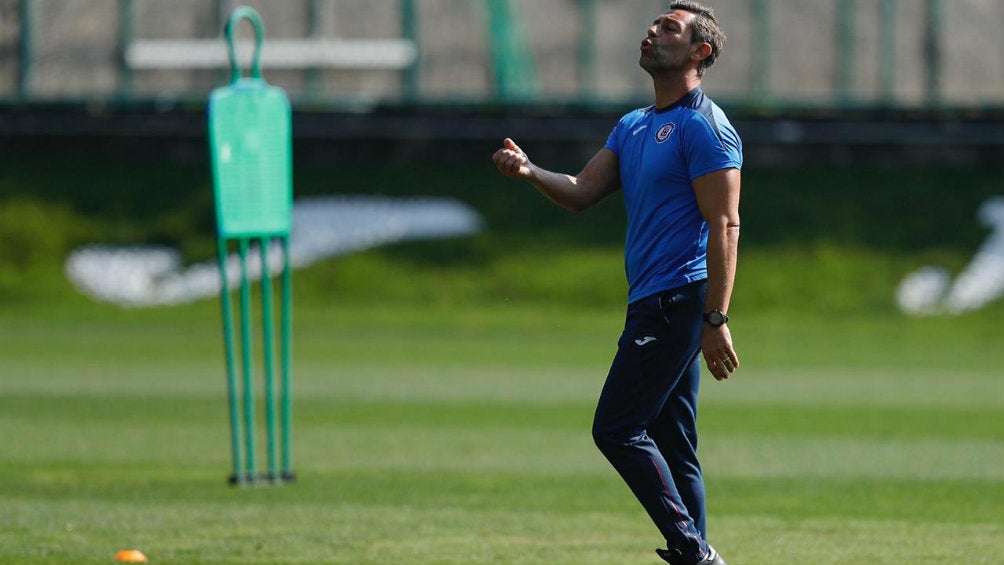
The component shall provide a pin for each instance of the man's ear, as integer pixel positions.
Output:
(701, 51)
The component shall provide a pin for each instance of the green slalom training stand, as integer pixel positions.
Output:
(250, 139)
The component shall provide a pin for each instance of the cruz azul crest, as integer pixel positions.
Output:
(664, 132)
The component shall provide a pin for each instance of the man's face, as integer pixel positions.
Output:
(667, 44)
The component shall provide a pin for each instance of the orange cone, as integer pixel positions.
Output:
(130, 556)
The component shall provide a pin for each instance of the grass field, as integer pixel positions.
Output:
(431, 434)
(442, 413)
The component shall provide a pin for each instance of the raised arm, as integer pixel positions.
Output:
(600, 177)
(718, 198)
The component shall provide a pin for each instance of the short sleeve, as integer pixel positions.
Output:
(613, 140)
(711, 147)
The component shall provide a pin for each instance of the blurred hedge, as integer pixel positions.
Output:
(807, 235)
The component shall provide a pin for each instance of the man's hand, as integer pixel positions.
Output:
(600, 177)
(512, 161)
(721, 358)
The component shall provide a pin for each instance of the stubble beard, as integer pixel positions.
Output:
(656, 66)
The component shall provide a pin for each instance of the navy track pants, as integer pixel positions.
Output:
(646, 418)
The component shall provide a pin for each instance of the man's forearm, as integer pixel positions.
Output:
(723, 248)
(598, 178)
(560, 188)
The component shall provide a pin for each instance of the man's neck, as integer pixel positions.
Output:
(669, 89)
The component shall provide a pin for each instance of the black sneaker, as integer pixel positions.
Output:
(674, 557)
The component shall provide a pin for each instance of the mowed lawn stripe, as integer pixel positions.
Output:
(788, 498)
(717, 418)
(768, 540)
(869, 422)
(479, 518)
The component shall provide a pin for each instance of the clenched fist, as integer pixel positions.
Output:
(512, 161)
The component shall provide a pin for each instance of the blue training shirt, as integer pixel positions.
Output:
(661, 152)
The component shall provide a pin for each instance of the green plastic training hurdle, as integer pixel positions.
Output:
(251, 145)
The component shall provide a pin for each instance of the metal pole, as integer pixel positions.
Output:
(287, 343)
(222, 13)
(512, 61)
(760, 69)
(314, 74)
(125, 38)
(268, 338)
(887, 46)
(220, 16)
(27, 63)
(249, 419)
(932, 52)
(228, 348)
(586, 53)
(409, 30)
(844, 82)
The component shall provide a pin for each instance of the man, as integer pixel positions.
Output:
(678, 164)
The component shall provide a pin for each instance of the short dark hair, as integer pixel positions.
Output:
(706, 30)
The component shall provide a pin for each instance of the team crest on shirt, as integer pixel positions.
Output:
(664, 132)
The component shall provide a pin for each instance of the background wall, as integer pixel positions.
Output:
(841, 51)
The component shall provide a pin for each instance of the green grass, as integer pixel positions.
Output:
(444, 390)
(458, 433)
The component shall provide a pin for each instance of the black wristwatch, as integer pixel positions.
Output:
(716, 318)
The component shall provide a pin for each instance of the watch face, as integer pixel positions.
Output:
(715, 318)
